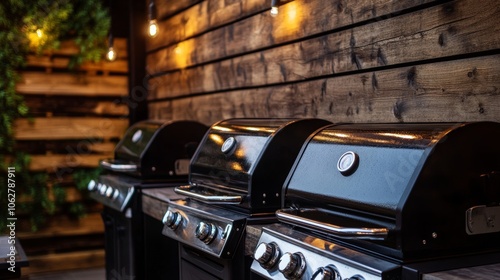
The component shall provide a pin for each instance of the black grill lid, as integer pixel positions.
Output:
(156, 149)
(414, 187)
(246, 161)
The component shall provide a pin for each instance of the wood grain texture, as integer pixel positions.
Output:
(117, 66)
(83, 146)
(58, 128)
(71, 84)
(63, 226)
(168, 8)
(66, 261)
(51, 163)
(202, 17)
(427, 35)
(262, 30)
(69, 48)
(491, 271)
(75, 106)
(460, 90)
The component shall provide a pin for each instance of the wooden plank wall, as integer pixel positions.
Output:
(76, 119)
(345, 61)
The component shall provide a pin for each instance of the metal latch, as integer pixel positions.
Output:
(182, 167)
(482, 219)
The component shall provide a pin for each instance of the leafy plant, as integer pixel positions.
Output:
(35, 27)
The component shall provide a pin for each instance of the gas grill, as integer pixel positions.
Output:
(151, 154)
(387, 201)
(236, 176)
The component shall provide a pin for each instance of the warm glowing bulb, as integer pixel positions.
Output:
(153, 28)
(111, 55)
(39, 33)
(274, 11)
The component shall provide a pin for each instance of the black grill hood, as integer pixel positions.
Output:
(245, 162)
(157, 149)
(424, 189)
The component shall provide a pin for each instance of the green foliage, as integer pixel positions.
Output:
(37, 26)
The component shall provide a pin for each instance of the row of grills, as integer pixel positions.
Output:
(333, 201)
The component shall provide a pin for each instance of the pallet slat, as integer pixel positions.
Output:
(71, 106)
(61, 128)
(71, 84)
(64, 226)
(118, 66)
(51, 163)
(66, 261)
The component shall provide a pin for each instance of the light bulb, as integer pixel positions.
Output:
(274, 11)
(153, 28)
(39, 33)
(111, 54)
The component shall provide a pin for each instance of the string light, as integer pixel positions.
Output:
(111, 55)
(274, 7)
(153, 25)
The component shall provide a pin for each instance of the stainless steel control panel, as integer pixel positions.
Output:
(214, 230)
(111, 191)
(283, 253)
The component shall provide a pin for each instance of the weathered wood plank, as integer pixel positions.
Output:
(60, 128)
(168, 8)
(117, 66)
(62, 225)
(83, 146)
(262, 30)
(69, 48)
(66, 261)
(70, 106)
(72, 84)
(460, 90)
(427, 34)
(74, 159)
(63, 243)
(202, 17)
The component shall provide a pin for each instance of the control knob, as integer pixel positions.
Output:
(206, 232)
(172, 219)
(109, 192)
(328, 272)
(92, 186)
(356, 277)
(267, 255)
(293, 265)
(116, 193)
(102, 188)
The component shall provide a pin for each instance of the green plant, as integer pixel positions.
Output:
(37, 26)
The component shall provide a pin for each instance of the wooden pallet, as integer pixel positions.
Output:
(77, 117)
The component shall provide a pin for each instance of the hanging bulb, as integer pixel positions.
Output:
(111, 55)
(153, 25)
(274, 8)
(153, 28)
(39, 33)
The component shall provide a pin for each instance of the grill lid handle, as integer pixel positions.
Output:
(285, 215)
(206, 195)
(118, 166)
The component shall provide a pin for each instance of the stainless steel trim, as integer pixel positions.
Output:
(285, 216)
(118, 167)
(214, 199)
(482, 219)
